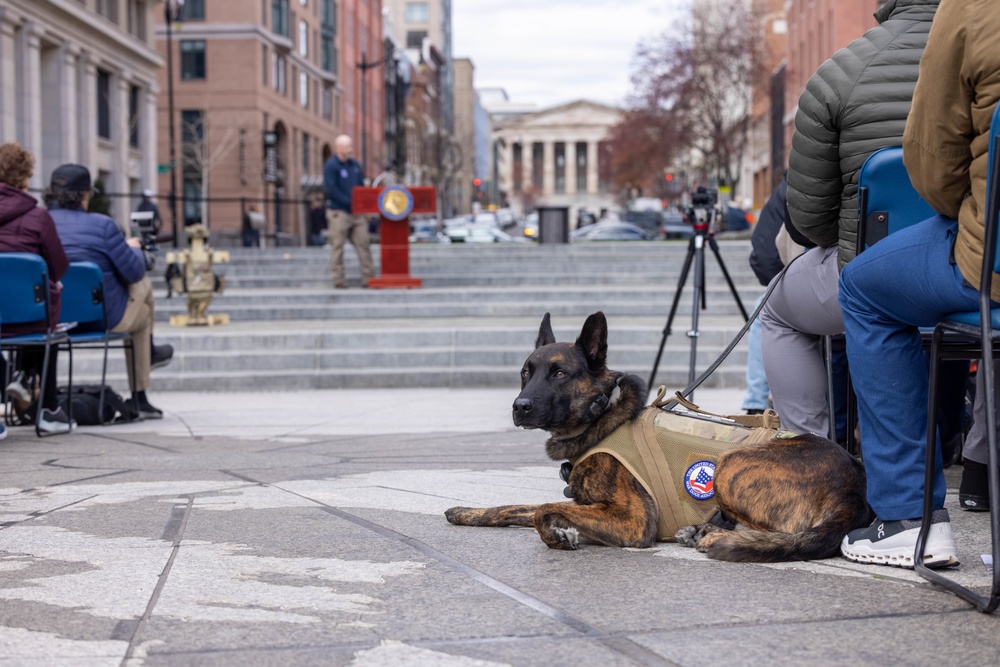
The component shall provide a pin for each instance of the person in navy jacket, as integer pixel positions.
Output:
(341, 174)
(128, 292)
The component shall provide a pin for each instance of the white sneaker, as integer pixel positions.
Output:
(17, 389)
(55, 421)
(894, 542)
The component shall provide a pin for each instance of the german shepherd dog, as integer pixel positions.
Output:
(788, 499)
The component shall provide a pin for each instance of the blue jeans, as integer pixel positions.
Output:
(756, 397)
(904, 282)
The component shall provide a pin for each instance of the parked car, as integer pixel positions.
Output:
(485, 234)
(427, 232)
(675, 224)
(611, 231)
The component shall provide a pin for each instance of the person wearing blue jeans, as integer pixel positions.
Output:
(915, 277)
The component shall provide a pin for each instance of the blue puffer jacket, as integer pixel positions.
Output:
(92, 237)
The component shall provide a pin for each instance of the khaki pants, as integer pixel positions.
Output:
(138, 323)
(342, 227)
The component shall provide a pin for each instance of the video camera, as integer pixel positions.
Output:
(704, 208)
(144, 229)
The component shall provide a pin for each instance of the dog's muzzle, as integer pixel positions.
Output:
(521, 412)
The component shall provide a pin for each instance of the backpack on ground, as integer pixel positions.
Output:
(87, 409)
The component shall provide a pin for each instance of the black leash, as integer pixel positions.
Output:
(688, 390)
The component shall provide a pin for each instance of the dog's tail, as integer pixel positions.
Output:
(756, 546)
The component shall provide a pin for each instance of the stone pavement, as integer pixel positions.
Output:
(306, 528)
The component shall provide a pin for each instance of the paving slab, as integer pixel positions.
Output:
(307, 528)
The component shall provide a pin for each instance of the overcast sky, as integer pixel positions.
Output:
(555, 51)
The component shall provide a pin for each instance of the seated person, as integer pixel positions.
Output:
(128, 292)
(26, 227)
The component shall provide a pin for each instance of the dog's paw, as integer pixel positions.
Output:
(563, 538)
(685, 536)
(462, 516)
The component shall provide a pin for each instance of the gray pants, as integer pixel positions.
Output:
(802, 309)
(343, 227)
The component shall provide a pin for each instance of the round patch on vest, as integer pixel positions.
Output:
(699, 480)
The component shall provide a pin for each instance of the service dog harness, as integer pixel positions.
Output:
(674, 455)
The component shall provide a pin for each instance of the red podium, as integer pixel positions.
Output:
(394, 204)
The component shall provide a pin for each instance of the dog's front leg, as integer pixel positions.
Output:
(507, 515)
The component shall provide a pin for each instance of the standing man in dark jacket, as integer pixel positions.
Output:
(128, 292)
(855, 103)
(26, 227)
(341, 174)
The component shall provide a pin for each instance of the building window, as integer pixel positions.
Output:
(108, 9)
(103, 104)
(134, 95)
(417, 12)
(303, 39)
(193, 10)
(581, 167)
(266, 62)
(279, 17)
(278, 67)
(415, 38)
(192, 156)
(327, 103)
(192, 59)
(136, 19)
(559, 160)
(304, 90)
(305, 153)
(304, 3)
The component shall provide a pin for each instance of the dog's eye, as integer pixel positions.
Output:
(524, 373)
(558, 373)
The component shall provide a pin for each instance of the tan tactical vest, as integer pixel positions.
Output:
(674, 457)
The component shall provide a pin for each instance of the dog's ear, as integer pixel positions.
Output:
(545, 335)
(593, 341)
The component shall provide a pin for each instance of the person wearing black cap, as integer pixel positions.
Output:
(128, 292)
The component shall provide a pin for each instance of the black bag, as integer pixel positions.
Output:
(87, 409)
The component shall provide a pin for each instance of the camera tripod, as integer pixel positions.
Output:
(703, 233)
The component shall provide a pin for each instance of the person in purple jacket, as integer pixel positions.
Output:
(128, 292)
(26, 227)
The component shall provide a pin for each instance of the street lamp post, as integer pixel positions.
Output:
(169, 17)
(364, 66)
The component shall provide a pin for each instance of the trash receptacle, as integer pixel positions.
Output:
(553, 224)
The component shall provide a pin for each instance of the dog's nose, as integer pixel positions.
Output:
(522, 406)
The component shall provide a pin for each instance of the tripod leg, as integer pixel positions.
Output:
(729, 281)
(673, 308)
(698, 303)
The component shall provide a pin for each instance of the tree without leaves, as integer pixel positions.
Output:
(691, 92)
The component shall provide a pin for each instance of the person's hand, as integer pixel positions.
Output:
(133, 242)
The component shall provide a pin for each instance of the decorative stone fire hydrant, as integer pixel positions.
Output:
(190, 272)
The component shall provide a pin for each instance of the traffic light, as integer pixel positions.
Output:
(476, 182)
(669, 177)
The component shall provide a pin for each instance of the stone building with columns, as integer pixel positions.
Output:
(557, 157)
(78, 84)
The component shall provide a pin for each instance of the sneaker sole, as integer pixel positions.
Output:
(19, 393)
(902, 556)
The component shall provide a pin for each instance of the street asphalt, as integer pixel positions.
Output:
(307, 528)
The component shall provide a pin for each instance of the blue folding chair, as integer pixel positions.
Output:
(887, 203)
(24, 299)
(83, 304)
(971, 335)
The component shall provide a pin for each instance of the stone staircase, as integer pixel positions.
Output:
(471, 324)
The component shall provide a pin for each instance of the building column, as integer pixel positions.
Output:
(570, 168)
(147, 137)
(30, 134)
(69, 103)
(548, 168)
(527, 159)
(121, 206)
(8, 77)
(592, 157)
(86, 98)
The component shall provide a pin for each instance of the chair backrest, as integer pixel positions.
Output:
(992, 218)
(887, 201)
(83, 296)
(25, 294)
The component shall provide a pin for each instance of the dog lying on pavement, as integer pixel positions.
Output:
(790, 498)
